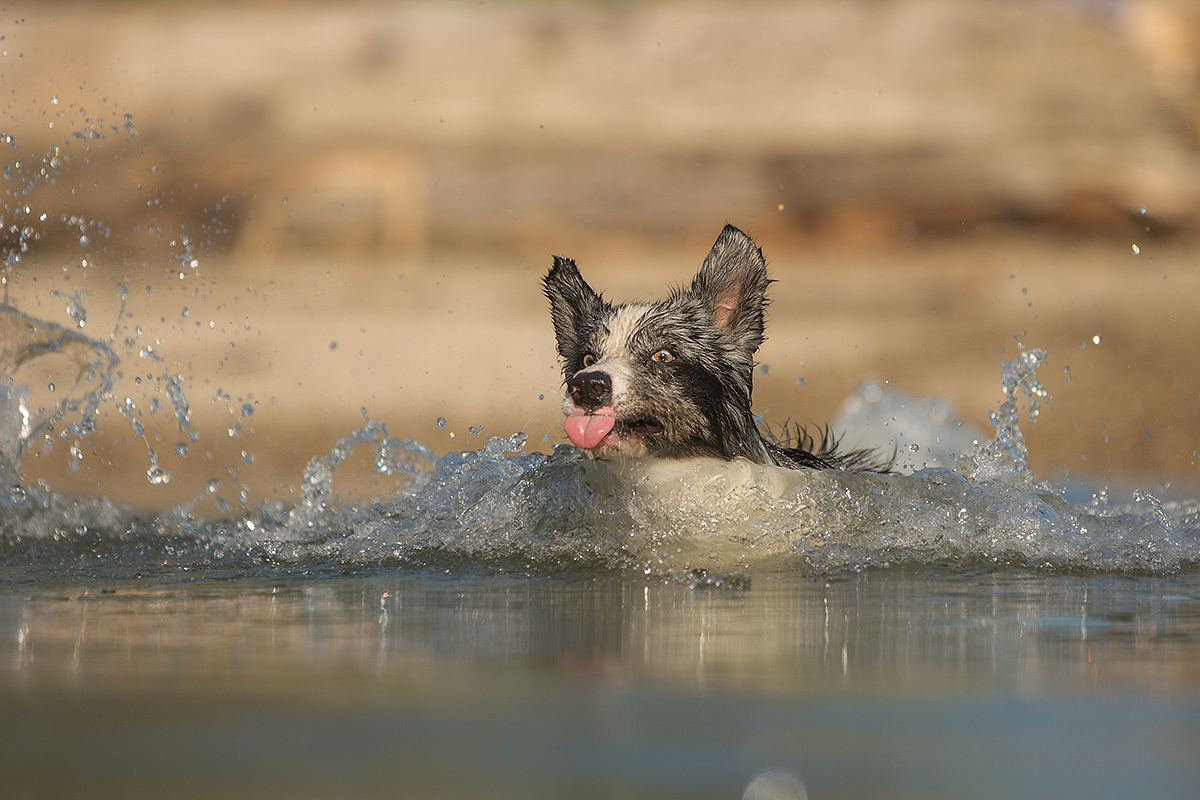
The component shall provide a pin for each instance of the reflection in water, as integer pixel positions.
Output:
(598, 684)
(896, 631)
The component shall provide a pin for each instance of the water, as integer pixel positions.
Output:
(462, 682)
(691, 520)
(517, 624)
(514, 624)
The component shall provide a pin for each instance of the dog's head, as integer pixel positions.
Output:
(671, 378)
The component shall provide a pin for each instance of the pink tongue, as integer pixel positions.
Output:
(589, 430)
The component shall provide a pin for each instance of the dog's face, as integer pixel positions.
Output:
(672, 378)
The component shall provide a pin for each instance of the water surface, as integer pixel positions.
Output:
(450, 681)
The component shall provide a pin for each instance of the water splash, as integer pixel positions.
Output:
(155, 474)
(704, 522)
(77, 373)
(392, 457)
(1005, 457)
(75, 308)
(922, 432)
(711, 518)
(179, 402)
(494, 505)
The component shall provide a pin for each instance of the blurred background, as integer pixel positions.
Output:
(317, 209)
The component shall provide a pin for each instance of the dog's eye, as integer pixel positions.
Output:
(588, 359)
(663, 357)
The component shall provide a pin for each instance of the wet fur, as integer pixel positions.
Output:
(698, 403)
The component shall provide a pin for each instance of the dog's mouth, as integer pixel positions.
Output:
(642, 427)
(590, 431)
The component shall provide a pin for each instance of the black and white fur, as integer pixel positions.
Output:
(673, 379)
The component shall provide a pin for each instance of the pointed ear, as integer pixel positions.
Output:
(571, 302)
(733, 282)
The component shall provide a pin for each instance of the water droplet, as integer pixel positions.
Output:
(179, 401)
(475, 429)
(1096, 339)
(333, 345)
(158, 476)
(799, 381)
(1142, 211)
(181, 448)
(50, 387)
(441, 422)
(914, 448)
(76, 311)
(247, 457)
(776, 784)
(247, 409)
(1136, 249)
(764, 369)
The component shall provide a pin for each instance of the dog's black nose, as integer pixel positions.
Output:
(590, 389)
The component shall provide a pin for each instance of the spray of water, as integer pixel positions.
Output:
(1005, 457)
(392, 457)
(706, 522)
(77, 374)
(709, 523)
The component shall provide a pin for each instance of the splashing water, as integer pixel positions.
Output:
(700, 520)
(1005, 456)
(179, 402)
(77, 372)
(392, 457)
(155, 474)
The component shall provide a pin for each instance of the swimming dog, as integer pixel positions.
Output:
(673, 379)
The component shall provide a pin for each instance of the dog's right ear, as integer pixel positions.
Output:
(571, 302)
(732, 282)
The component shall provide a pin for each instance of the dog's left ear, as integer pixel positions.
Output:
(571, 302)
(733, 282)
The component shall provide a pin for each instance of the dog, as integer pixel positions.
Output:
(673, 379)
